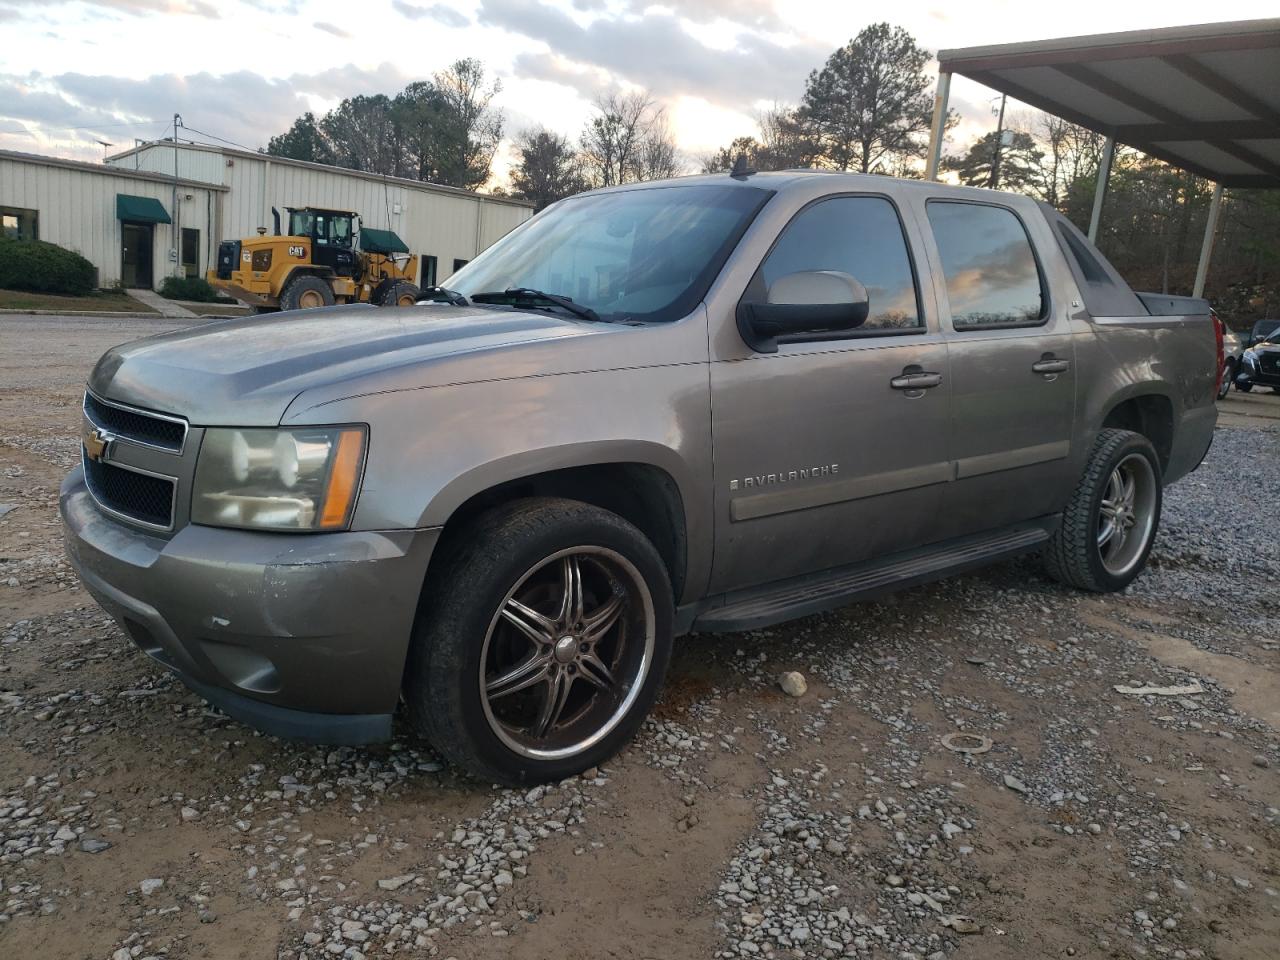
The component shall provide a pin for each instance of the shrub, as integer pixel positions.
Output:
(44, 268)
(189, 288)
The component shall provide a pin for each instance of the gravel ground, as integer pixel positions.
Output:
(960, 779)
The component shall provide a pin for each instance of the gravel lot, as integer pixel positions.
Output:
(137, 822)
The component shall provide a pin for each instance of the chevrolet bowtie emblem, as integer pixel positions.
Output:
(96, 442)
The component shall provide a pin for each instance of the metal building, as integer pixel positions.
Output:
(160, 210)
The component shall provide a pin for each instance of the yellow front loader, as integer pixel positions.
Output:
(326, 257)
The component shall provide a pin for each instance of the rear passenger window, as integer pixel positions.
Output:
(991, 273)
(860, 236)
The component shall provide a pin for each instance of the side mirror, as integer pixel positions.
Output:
(801, 306)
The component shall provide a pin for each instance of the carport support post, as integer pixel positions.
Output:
(939, 126)
(1100, 191)
(1206, 248)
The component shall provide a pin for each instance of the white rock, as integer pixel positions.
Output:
(395, 883)
(793, 683)
(148, 887)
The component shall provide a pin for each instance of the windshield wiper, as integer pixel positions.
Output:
(526, 293)
(443, 295)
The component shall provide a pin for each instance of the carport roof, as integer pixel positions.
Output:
(1205, 98)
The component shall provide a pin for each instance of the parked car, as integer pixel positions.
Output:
(770, 395)
(1231, 350)
(1260, 361)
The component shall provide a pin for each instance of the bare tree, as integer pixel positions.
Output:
(781, 143)
(472, 125)
(628, 139)
(1071, 153)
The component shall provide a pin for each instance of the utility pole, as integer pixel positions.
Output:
(173, 249)
(995, 159)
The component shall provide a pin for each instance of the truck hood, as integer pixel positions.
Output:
(246, 372)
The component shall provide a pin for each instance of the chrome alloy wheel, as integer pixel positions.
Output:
(1126, 515)
(567, 653)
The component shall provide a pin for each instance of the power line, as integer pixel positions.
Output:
(212, 136)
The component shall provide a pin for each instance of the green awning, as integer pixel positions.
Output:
(381, 241)
(140, 209)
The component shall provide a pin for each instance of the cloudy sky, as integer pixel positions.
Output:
(75, 72)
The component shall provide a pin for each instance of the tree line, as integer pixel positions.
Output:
(868, 108)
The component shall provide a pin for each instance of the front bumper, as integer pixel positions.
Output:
(299, 635)
(1260, 368)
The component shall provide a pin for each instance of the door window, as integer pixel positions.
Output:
(990, 268)
(860, 236)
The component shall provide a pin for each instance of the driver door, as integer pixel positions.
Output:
(824, 453)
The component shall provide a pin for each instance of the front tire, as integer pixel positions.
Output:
(542, 641)
(402, 294)
(305, 293)
(1111, 520)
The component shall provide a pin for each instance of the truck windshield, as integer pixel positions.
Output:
(646, 254)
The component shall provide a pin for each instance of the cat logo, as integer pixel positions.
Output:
(297, 250)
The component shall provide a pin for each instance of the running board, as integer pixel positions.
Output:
(802, 596)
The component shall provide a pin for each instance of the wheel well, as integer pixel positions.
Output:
(1151, 416)
(641, 494)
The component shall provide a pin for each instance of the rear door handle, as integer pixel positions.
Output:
(916, 381)
(1050, 365)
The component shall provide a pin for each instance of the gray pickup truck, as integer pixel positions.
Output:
(709, 404)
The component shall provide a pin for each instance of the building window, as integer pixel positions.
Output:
(427, 272)
(19, 224)
(459, 264)
(190, 252)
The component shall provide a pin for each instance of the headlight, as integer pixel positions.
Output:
(303, 479)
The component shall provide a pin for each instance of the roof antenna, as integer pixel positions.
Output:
(741, 168)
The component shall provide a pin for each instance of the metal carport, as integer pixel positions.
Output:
(1204, 98)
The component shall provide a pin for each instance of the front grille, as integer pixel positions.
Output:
(1269, 362)
(228, 258)
(138, 496)
(135, 425)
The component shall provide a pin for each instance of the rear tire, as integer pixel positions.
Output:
(1111, 520)
(1244, 387)
(1228, 374)
(401, 294)
(305, 293)
(517, 679)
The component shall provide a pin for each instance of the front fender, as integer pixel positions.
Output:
(431, 450)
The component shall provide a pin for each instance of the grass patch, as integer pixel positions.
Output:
(99, 301)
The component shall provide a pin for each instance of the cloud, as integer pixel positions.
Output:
(656, 53)
(8, 13)
(437, 11)
(136, 8)
(330, 28)
(242, 106)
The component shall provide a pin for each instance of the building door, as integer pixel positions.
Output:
(136, 245)
(427, 275)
